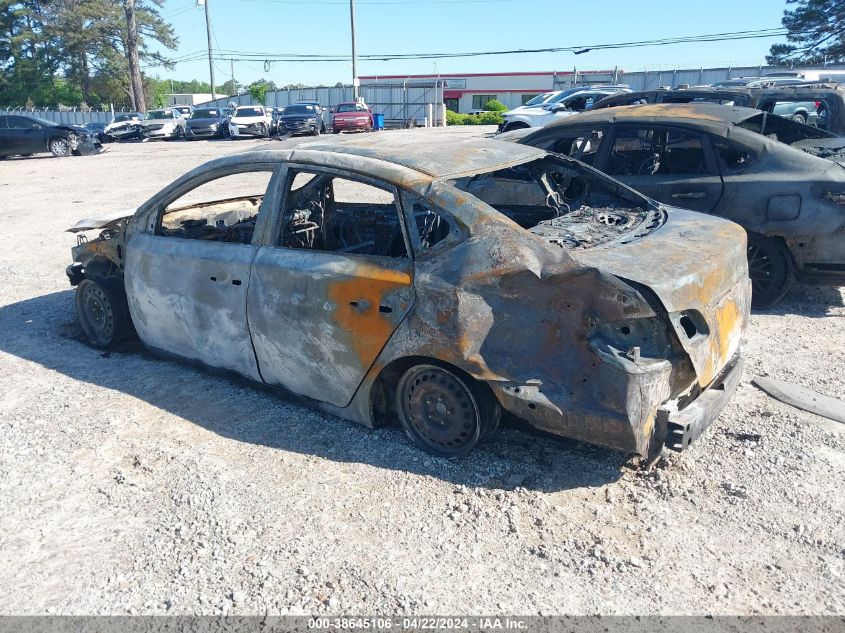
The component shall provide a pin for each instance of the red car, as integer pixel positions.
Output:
(352, 116)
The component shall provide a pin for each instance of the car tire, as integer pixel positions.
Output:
(441, 412)
(800, 118)
(102, 311)
(335, 131)
(59, 147)
(770, 268)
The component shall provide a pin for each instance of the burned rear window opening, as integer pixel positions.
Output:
(782, 129)
(570, 208)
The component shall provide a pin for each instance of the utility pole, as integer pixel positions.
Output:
(354, 56)
(232, 70)
(208, 34)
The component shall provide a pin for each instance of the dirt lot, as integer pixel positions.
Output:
(132, 484)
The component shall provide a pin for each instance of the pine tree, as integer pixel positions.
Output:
(816, 33)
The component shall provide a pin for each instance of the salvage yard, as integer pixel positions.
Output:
(131, 484)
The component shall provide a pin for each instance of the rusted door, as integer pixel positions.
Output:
(319, 316)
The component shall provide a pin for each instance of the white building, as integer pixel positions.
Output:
(471, 91)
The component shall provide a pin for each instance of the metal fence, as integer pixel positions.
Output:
(73, 117)
(401, 102)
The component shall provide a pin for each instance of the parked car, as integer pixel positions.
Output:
(125, 126)
(300, 118)
(352, 117)
(165, 124)
(736, 97)
(564, 104)
(536, 102)
(206, 123)
(742, 164)
(23, 135)
(436, 281)
(320, 110)
(251, 121)
(184, 110)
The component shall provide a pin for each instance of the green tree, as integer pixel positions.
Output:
(816, 33)
(259, 89)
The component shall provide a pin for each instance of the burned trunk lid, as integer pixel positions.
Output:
(696, 266)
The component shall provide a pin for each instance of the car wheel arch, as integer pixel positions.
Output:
(382, 401)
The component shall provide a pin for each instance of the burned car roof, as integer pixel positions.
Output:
(438, 157)
(703, 113)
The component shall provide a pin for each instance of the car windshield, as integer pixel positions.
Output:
(538, 99)
(351, 107)
(159, 114)
(299, 109)
(120, 118)
(248, 112)
(563, 95)
(205, 113)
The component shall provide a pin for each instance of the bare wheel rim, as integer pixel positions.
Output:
(97, 313)
(439, 408)
(762, 270)
(59, 147)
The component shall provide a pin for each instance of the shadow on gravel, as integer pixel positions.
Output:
(43, 330)
(807, 301)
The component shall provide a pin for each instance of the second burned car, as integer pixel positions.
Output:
(438, 282)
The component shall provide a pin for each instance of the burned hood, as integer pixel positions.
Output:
(101, 221)
(696, 267)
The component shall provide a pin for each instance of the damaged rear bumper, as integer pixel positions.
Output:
(636, 414)
(685, 425)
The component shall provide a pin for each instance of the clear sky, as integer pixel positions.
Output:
(414, 26)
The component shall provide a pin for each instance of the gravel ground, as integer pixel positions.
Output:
(136, 485)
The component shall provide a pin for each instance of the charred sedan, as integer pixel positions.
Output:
(738, 163)
(26, 135)
(438, 282)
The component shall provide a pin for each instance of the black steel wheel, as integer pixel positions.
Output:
(59, 147)
(102, 312)
(438, 410)
(770, 269)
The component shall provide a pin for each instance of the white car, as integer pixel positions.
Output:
(166, 124)
(560, 104)
(122, 120)
(251, 121)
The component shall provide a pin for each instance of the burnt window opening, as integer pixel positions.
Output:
(564, 203)
(656, 152)
(333, 214)
(689, 327)
(211, 212)
(581, 145)
(732, 158)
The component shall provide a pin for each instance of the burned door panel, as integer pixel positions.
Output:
(671, 165)
(188, 297)
(319, 320)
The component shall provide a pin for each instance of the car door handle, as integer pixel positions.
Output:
(689, 195)
(361, 305)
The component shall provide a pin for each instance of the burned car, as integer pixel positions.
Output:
(752, 167)
(440, 282)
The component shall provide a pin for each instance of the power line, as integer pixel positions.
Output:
(236, 55)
